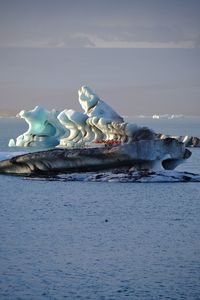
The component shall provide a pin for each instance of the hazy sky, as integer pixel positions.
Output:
(142, 57)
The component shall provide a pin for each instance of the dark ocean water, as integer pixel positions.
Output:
(96, 240)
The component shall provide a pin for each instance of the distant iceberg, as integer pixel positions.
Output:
(167, 116)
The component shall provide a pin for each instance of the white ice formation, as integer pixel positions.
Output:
(76, 129)
(106, 122)
(98, 123)
(69, 129)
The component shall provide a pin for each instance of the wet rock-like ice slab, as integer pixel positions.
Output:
(125, 177)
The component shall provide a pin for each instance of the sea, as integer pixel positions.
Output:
(100, 240)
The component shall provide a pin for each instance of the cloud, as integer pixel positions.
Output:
(100, 24)
(110, 37)
(76, 41)
(131, 36)
(85, 40)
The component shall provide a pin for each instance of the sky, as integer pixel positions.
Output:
(140, 56)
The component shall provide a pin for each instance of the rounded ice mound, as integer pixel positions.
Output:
(44, 129)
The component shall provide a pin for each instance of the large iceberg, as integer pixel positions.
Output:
(96, 139)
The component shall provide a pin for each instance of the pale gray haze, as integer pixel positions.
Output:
(141, 56)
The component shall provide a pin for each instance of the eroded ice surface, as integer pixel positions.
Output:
(98, 122)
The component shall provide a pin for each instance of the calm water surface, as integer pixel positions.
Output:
(88, 240)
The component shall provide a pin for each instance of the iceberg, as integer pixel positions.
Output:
(93, 140)
(167, 116)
